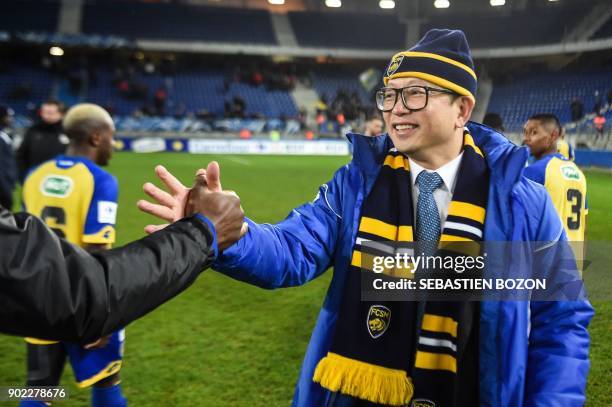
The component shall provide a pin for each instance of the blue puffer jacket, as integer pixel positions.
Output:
(531, 354)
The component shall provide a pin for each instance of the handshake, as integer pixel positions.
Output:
(206, 197)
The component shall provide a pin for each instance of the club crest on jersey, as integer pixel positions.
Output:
(397, 61)
(379, 318)
(56, 185)
(569, 172)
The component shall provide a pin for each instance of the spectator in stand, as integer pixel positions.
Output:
(354, 106)
(597, 106)
(609, 98)
(321, 121)
(494, 121)
(322, 105)
(159, 101)
(45, 139)
(148, 110)
(374, 126)
(238, 107)
(181, 111)
(303, 118)
(599, 121)
(8, 169)
(257, 78)
(341, 119)
(577, 109)
(76, 80)
(123, 87)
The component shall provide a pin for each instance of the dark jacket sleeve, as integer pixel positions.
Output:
(53, 290)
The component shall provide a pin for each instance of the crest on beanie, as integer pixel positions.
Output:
(397, 61)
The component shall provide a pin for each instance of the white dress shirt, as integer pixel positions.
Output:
(444, 193)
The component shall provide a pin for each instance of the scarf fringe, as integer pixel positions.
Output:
(364, 380)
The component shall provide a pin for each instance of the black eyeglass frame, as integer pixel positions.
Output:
(399, 91)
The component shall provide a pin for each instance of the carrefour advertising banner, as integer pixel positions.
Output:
(220, 146)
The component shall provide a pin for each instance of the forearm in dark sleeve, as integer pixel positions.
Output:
(53, 290)
(147, 273)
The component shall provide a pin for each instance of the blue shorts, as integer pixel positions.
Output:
(93, 365)
(89, 366)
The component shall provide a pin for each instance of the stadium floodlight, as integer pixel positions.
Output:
(333, 3)
(441, 4)
(386, 4)
(496, 3)
(276, 2)
(56, 51)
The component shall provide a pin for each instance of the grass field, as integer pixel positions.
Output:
(224, 343)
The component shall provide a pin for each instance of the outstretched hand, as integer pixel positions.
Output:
(205, 197)
(170, 205)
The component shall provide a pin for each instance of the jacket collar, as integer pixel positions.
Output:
(505, 159)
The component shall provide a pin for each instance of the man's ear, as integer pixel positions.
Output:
(95, 138)
(554, 135)
(466, 106)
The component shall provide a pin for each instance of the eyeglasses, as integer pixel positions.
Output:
(414, 98)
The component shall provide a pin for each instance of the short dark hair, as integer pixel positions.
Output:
(494, 121)
(52, 101)
(548, 119)
(373, 115)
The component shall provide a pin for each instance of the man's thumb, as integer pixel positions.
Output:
(213, 177)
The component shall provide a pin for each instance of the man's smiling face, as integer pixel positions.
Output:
(425, 132)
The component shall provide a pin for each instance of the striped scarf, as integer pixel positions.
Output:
(392, 352)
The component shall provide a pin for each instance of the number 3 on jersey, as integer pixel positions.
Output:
(55, 218)
(574, 197)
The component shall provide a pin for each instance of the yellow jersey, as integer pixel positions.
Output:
(74, 197)
(567, 188)
(566, 150)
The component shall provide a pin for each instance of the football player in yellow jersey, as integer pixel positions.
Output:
(562, 178)
(78, 200)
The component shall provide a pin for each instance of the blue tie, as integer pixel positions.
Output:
(427, 215)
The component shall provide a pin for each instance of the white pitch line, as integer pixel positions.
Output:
(242, 161)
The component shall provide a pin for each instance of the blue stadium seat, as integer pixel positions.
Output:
(39, 80)
(526, 95)
(329, 81)
(178, 21)
(543, 24)
(347, 30)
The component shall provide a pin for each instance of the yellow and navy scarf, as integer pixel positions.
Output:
(393, 352)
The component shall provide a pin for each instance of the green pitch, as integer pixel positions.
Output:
(226, 343)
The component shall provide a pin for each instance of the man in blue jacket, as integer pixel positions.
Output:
(433, 177)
